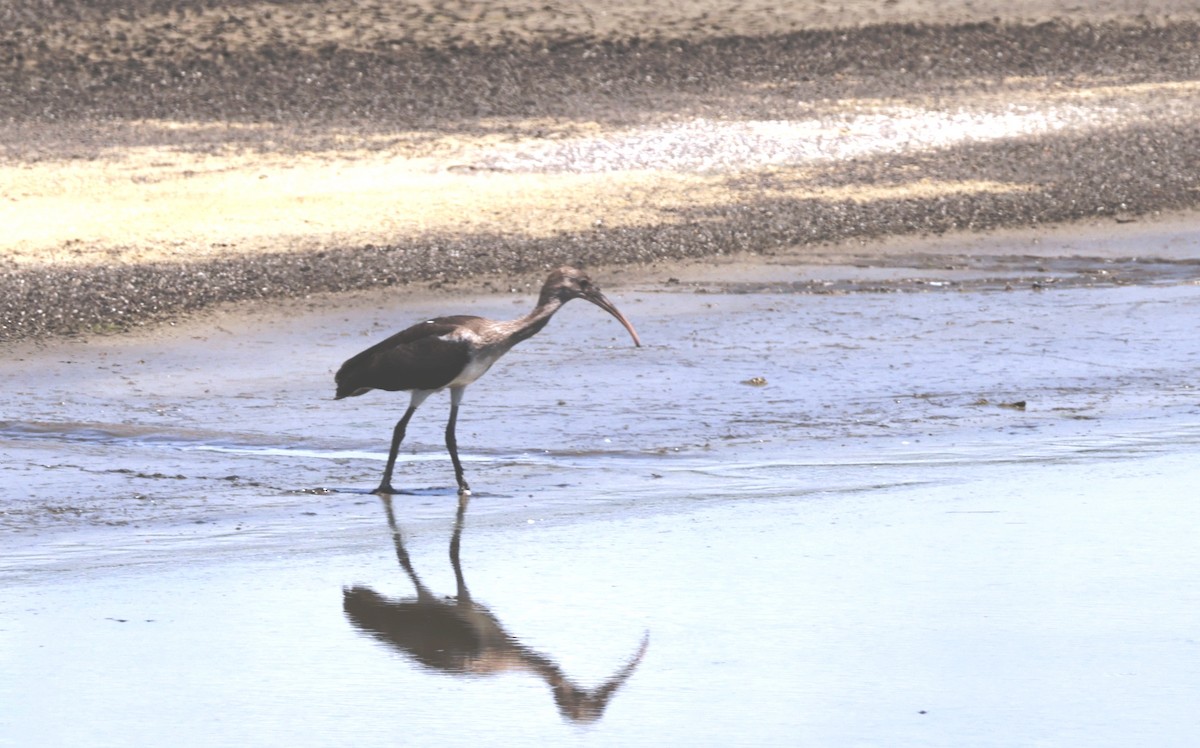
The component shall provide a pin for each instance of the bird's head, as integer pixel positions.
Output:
(568, 283)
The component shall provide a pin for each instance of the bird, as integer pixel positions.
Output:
(451, 353)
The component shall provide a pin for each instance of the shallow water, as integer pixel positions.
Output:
(954, 515)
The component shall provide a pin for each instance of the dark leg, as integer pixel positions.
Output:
(385, 485)
(402, 554)
(464, 595)
(452, 443)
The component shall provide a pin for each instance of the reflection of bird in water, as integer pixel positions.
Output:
(458, 635)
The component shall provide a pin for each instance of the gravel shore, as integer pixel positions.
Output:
(665, 145)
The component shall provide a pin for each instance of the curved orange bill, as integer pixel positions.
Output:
(599, 300)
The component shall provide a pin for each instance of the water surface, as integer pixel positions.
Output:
(904, 509)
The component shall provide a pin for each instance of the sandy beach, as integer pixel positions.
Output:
(156, 162)
(906, 458)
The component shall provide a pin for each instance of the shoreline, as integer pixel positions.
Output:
(178, 293)
(228, 416)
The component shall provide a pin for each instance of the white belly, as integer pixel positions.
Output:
(487, 352)
(480, 362)
(475, 369)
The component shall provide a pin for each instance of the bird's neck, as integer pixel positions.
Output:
(532, 323)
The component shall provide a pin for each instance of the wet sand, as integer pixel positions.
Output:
(247, 383)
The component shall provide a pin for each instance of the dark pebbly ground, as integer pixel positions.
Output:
(74, 93)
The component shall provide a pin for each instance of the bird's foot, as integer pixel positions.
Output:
(464, 489)
(385, 488)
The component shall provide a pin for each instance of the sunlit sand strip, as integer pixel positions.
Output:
(710, 146)
(848, 129)
(168, 206)
(159, 203)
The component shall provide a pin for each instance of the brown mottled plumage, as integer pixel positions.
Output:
(452, 352)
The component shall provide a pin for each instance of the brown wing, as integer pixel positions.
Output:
(418, 358)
